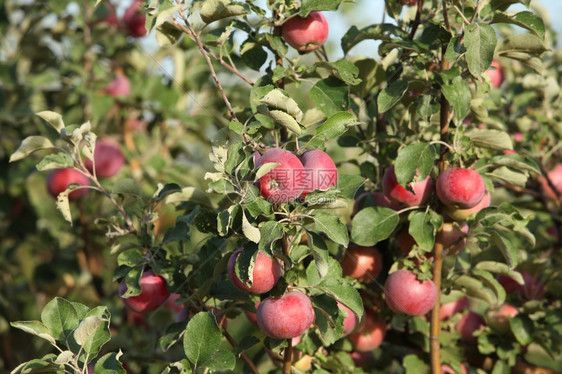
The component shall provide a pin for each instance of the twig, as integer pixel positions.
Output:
(288, 358)
(417, 20)
(245, 357)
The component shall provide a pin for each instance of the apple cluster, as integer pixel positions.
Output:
(295, 177)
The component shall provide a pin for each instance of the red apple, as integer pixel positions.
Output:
(266, 273)
(172, 304)
(468, 324)
(135, 20)
(447, 310)
(285, 182)
(499, 319)
(533, 289)
(373, 199)
(285, 317)
(108, 158)
(462, 214)
(496, 75)
(120, 86)
(107, 10)
(460, 188)
(135, 319)
(58, 180)
(405, 241)
(364, 360)
(399, 194)
(362, 263)
(555, 176)
(350, 322)
(182, 315)
(153, 293)
(320, 171)
(252, 316)
(453, 237)
(370, 335)
(446, 369)
(404, 293)
(305, 34)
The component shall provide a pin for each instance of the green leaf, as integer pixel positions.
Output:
(63, 203)
(509, 176)
(331, 95)
(391, 95)
(475, 288)
(30, 145)
(329, 319)
(164, 15)
(44, 365)
(253, 54)
(256, 204)
(53, 119)
(423, 226)
(177, 233)
(336, 125)
(480, 41)
(264, 169)
(35, 328)
(127, 187)
(414, 162)
(93, 331)
(251, 232)
(458, 94)
(320, 253)
(376, 32)
(282, 118)
(522, 328)
(526, 19)
(55, 161)
(188, 194)
(348, 184)
(61, 317)
(491, 282)
(202, 338)
(526, 43)
(500, 268)
(343, 69)
(222, 360)
(168, 34)
(214, 10)
(371, 225)
(278, 99)
(506, 246)
(271, 231)
(517, 162)
(235, 156)
(491, 139)
(110, 364)
(308, 6)
(415, 365)
(331, 225)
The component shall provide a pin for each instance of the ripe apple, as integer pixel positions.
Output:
(362, 263)
(447, 310)
(462, 214)
(370, 335)
(285, 182)
(555, 176)
(153, 293)
(364, 360)
(405, 241)
(134, 20)
(285, 317)
(452, 237)
(469, 323)
(397, 193)
(320, 171)
(533, 289)
(496, 75)
(120, 86)
(460, 188)
(58, 180)
(499, 319)
(404, 293)
(252, 316)
(108, 158)
(265, 274)
(172, 304)
(446, 369)
(305, 34)
(350, 322)
(373, 199)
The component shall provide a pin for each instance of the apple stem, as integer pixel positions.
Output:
(288, 357)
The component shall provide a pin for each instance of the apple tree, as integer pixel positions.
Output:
(239, 201)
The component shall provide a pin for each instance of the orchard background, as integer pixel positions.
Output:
(189, 123)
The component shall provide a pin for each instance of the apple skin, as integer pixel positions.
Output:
(305, 34)
(404, 293)
(469, 323)
(266, 273)
(120, 86)
(531, 290)
(58, 180)
(364, 360)
(373, 199)
(252, 317)
(153, 293)
(496, 75)
(284, 183)
(452, 237)
(362, 263)
(172, 304)
(447, 310)
(555, 176)
(134, 20)
(460, 188)
(108, 158)
(350, 322)
(285, 317)
(397, 193)
(461, 215)
(499, 319)
(320, 167)
(446, 369)
(370, 335)
(405, 241)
